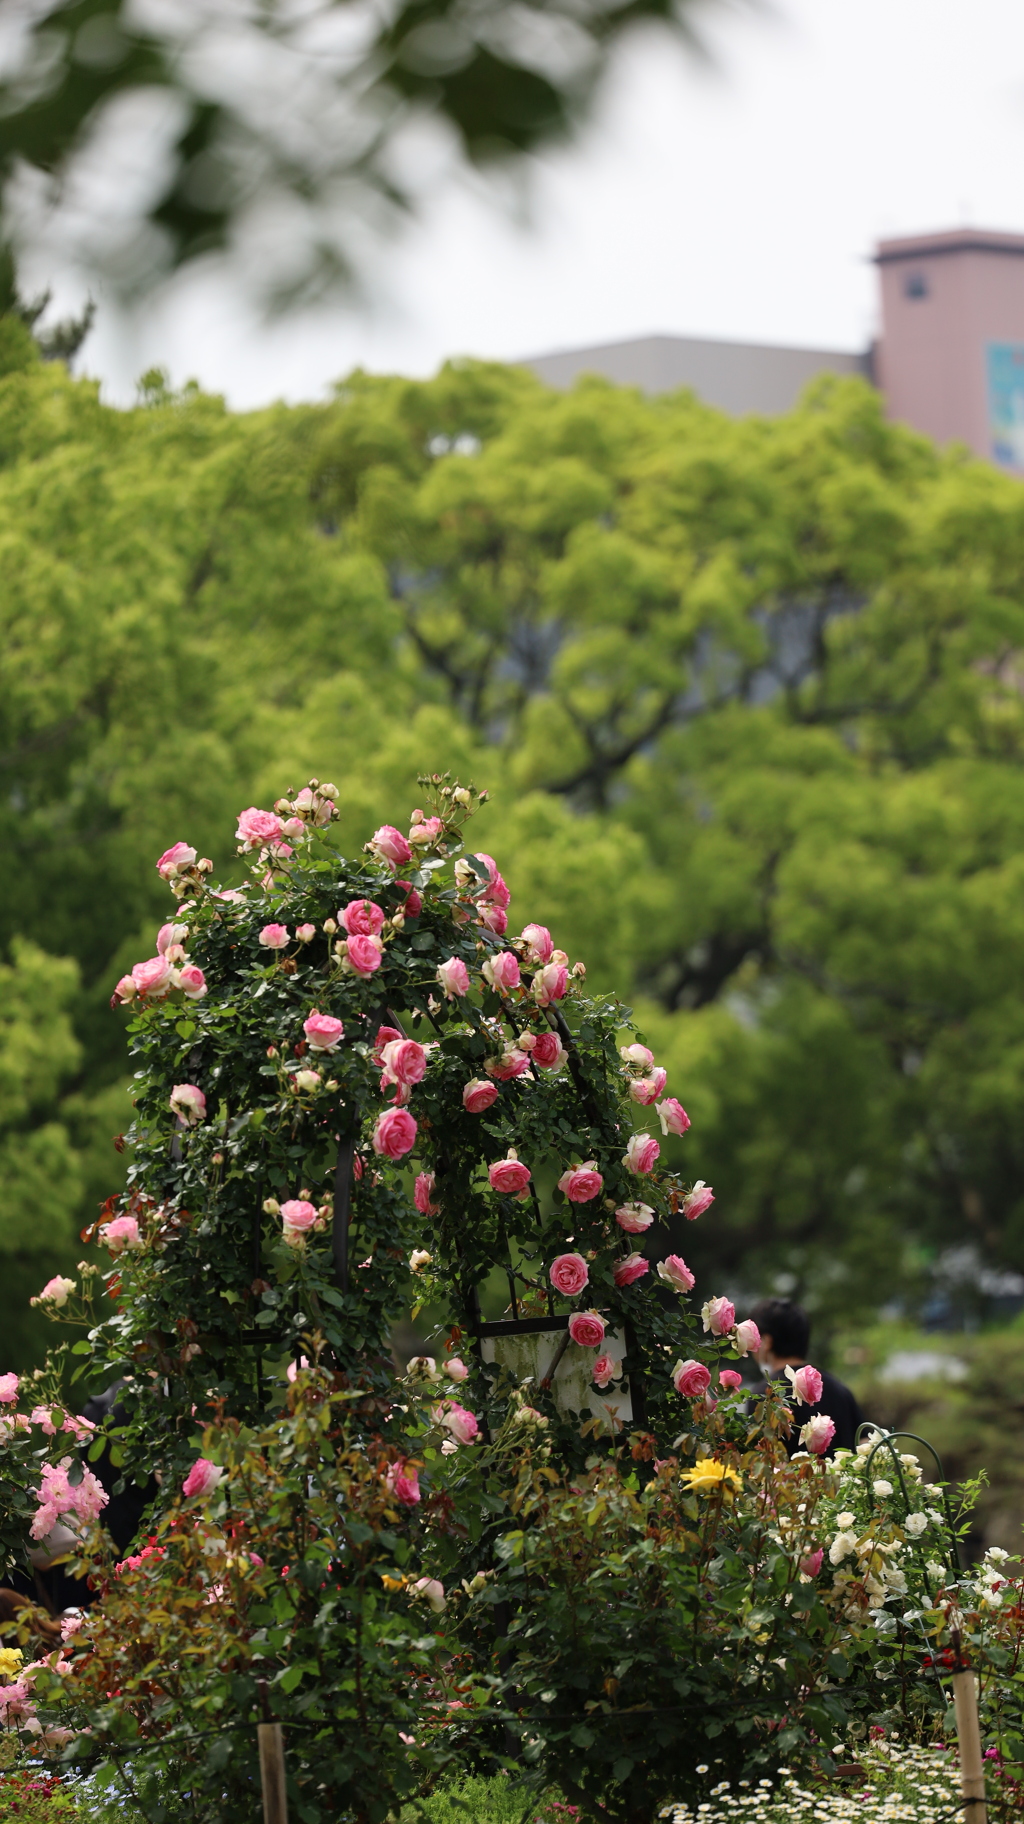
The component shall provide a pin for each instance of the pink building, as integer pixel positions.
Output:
(950, 360)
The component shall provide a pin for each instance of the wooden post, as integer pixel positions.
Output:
(968, 1735)
(275, 1797)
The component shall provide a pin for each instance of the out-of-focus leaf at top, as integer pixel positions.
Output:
(148, 132)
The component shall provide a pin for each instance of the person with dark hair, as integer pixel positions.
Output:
(785, 1338)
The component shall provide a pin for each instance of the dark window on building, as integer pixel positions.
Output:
(915, 285)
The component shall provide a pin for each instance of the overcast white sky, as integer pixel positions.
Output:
(741, 202)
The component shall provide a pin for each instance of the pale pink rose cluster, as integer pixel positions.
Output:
(122, 1232)
(188, 1102)
(58, 1498)
(462, 1426)
(647, 1082)
(402, 1481)
(490, 897)
(719, 1315)
(163, 974)
(313, 807)
(56, 1292)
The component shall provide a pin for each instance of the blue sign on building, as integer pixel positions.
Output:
(1005, 367)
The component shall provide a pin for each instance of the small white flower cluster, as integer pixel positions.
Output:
(881, 1528)
(919, 1785)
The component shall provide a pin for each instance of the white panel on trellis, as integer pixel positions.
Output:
(527, 1357)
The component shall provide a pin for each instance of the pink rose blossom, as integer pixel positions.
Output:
(730, 1379)
(305, 933)
(57, 1497)
(453, 977)
(202, 1478)
(496, 892)
(810, 1563)
(9, 1384)
(587, 1329)
(549, 984)
(395, 1133)
(362, 918)
(192, 982)
(323, 1032)
(502, 971)
(257, 828)
(581, 1183)
(746, 1337)
(511, 1064)
(425, 830)
(413, 905)
(56, 1291)
(548, 1051)
(423, 1194)
(125, 991)
(455, 1368)
(174, 860)
(297, 1215)
(539, 945)
(494, 918)
(294, 1369)
(673, 1116)
(624, 1272)
(806, 1382)
(691, 1379)
(188, 1103)
(637, 1054)
(403, 1482)
(403, 1061)
(154, 978)
(698, 1200)
(385, 1036)
(170, 937)
(479, 1095)
(462, 1424)
(675, 1272)
(719, 1316)
(363, 955)
(390, 845)
(606, 1369)
(817, 1434)
(274, 937)
(569, 1274)
(642, 1154)
(122, 1233)
(508, 1176)
(634, 1218)
(432, 1591)
(646, 1090)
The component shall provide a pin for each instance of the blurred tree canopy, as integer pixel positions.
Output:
(288, 112)
(748, 696)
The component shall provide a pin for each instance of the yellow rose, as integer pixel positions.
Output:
(10, 1661)
(708, 1475)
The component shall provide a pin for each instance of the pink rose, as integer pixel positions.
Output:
(538, 941)
(361, 918)
(395, 1133)
(305, 933)
(646, 1090)
(404, 1061)
(624, 1272)
(123, 1232)
(173, 861)
(257, 828)
(675, 1272)
(817, 1434)
(698, 1200)
(719, 1316)
(413, 904)
(549, 984)
(746, 1337)
(508, 1176)
(390, 845)
(462, 1424)
(188, 1103)
(455, 1368)
(479, 1095)
(125, 991)
(403, 1482)
(637, 1054)
(202, 1478)
(423, 1194)
(606, 1369)
(729, 1379)
(323, 1032)
(432, 1591)
(56, 1291)
(569, 1274)
(511, 1064)
(296, 1217)
(810, 1563)
(673, 1116)
(385, 1036)
(363, 954)
(581, 1183)
(274, 937)
(9, 1384)
(806, 1382)
(587, 1329)
(155, 977)
(192, 982)
(502, 971)
(170, 937)
(425, 830)
(493, 918)
(691, 1379)
(453, 977)
(642, 1154)
(495, 893)
(547, 1051)
(635, 1218)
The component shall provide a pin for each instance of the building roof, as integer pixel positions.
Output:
(954, 240)
(737, 377)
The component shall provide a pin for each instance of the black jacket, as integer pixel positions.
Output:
(836, 1400)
